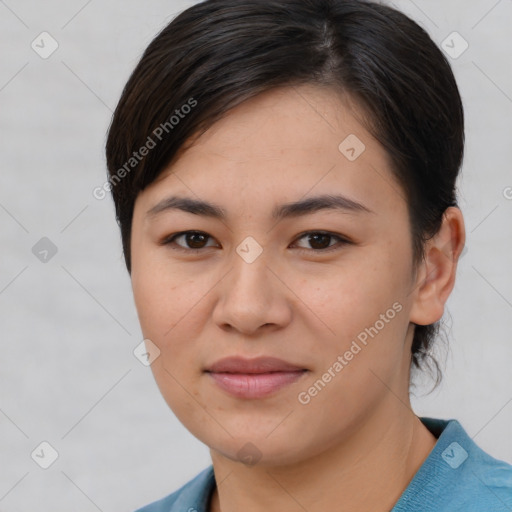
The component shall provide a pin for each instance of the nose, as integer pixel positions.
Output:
(251, 298)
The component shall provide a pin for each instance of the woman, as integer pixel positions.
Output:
(248, 133)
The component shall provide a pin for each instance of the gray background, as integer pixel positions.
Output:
(69, 326)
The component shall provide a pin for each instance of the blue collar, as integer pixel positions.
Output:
(453, 463)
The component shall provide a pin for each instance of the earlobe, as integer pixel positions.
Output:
(437, 272)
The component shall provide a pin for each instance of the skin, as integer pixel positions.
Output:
(356, 444)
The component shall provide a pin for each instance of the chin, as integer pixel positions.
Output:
(257, 454)
(256, 448)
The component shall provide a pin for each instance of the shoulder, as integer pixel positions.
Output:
(484, 480)
(458, 475)
(193, 495)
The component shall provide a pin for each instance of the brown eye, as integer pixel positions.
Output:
(320, 241)
(193, 240)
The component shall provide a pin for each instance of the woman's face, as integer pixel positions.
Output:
(251, 284)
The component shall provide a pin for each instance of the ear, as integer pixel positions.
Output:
(436, 273)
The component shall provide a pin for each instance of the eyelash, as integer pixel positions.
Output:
(170, 241)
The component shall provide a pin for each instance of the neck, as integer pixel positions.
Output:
(369, 470)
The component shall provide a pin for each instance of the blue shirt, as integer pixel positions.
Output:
(456, 476)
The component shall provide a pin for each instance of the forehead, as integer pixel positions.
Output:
(290, 142)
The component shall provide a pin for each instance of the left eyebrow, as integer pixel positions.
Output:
(287, 210)
(314, 204)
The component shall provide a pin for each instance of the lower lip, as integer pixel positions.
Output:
(255, 385)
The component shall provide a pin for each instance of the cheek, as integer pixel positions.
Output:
(171, 309)
(363, 347)
(168, 310)
(163, 306)
(351, 296)
(160, 294)
(363, 313)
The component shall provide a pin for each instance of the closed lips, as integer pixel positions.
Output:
(251, 366)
